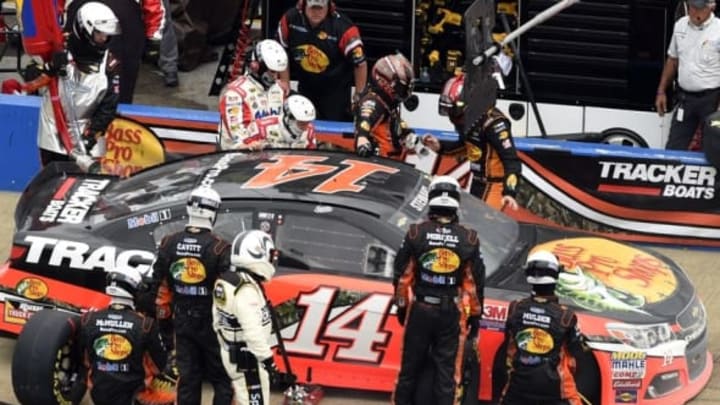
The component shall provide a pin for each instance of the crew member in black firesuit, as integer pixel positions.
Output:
(326, 56)
(120, 347)
(440, 262)
(541, 336)
(188, 263)
(488, 146)
(379, 129)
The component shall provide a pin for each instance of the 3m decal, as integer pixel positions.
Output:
(78, 255)
(360, 324)
(288, 168)
(77, 206)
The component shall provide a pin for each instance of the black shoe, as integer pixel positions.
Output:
(171, 79)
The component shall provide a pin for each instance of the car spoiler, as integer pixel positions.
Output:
(38, 186)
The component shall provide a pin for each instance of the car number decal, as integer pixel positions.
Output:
(288, 168)
(360, 324)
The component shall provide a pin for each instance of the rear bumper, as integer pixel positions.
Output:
(22, 294)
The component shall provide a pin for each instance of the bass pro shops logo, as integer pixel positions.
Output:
(658, 180)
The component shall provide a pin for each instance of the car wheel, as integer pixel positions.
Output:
(45, 359)
(623, 137)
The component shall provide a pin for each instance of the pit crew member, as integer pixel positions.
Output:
(253, 95)
(188, 263)
(440, 262)
(242, 317)
(121, 347)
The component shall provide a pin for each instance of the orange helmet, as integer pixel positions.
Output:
(394, 76)
(451, 103)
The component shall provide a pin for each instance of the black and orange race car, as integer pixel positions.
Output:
(337, 221)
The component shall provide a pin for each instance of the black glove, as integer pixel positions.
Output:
(401, 314)
(32, 72)
(365, 150)
(152, 50)
(284, 380)
(58, 64)
(473, 327)
(271, 368)
(89, 138)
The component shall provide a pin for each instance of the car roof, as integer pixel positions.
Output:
(376, 185)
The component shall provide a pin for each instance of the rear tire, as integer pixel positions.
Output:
(623, 137)
(45, 359)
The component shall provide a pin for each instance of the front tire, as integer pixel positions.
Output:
(45, 359)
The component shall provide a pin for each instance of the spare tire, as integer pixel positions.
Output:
(45, 359)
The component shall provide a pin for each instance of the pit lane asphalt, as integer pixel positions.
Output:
(701, 266)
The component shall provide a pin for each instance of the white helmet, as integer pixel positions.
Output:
(297, 108)
(444, 193)
(123, 283)
(542, 267)
(267, 56)
(202, 207)
(94, 16)
(254, 250)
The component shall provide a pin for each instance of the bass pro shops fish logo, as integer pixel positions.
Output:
(311, 58)
(32, 288)
(112, 347)
(188, 270)
(440, 260)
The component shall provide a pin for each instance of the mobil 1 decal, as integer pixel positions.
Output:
(634, 182)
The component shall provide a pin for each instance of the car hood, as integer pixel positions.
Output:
(619, 280)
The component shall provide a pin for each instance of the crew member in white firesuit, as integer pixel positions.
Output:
(293, 129)
(242, 318)
(89, 66)
(254, 95)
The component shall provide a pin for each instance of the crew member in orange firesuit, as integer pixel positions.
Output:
(326, 56)
(541, 336)
(379, 130)
(488, 146)
(440, 262)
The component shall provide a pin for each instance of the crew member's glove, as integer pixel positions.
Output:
(473, 327)
(58, 64)
(366, 149)
(271, 368)
(152, 50)
(401, 314)
(89, 138)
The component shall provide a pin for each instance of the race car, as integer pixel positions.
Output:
(338, 221)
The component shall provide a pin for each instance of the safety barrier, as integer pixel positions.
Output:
(19, 159)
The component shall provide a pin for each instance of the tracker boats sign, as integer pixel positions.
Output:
(658, 179)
